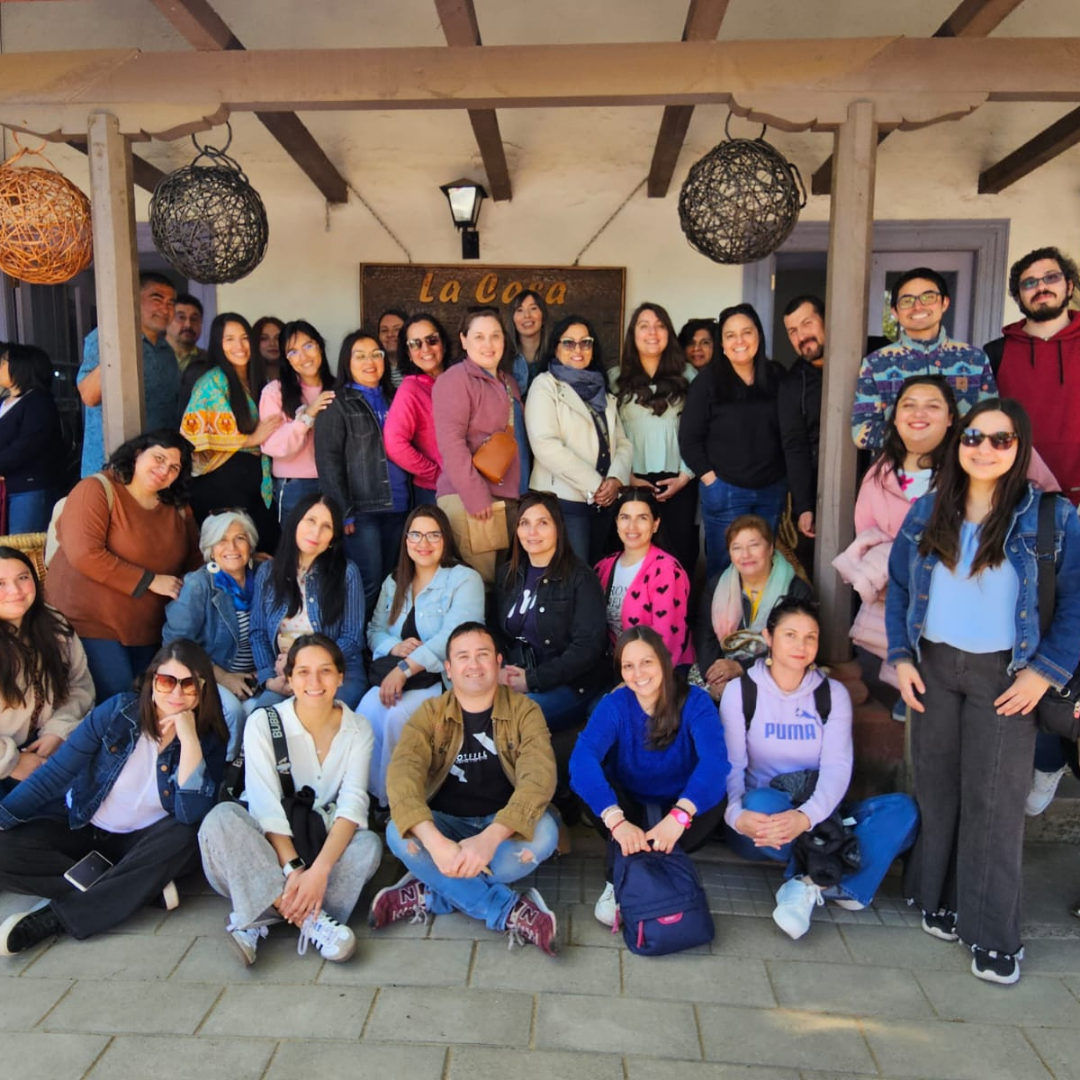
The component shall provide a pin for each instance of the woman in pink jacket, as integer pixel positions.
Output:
(424, 353)
(644, 585)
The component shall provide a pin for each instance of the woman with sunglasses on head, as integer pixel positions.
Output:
(424, 353)
(429, 593)
(45, 683)
(300, 394)
(222, 423)
(353, 465)
(252, 856)
(132, 782)
(126, 537)
(962, 616)
(580, 451)
(309, 587)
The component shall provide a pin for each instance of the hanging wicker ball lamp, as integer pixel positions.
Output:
(741, 200)
(45, 233)
(207, 219)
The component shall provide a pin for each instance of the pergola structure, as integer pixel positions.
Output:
(859, 89)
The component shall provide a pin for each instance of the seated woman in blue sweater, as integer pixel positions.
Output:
(652, 752)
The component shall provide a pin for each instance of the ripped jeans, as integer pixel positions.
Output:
(486, 896)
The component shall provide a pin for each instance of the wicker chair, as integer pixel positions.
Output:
(33, 544)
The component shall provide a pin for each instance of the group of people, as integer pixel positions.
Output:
(440, 544)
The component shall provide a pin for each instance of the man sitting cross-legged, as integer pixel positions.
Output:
(469, 785)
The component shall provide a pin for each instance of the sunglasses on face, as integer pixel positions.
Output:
(431, 340)
(1029, 283)
(927, 299)
(166, 684)
(585, 344)
(999, 440)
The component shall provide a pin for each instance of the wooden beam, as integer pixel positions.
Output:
(145, 175)
(851, 226)
(461, 30)
(971, 18)
(116, 280)
(703, 19)
(203, 28)
(1036, 152)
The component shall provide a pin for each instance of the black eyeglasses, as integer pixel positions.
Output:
(430, 340)
(166, 684)
(999, 440)
(1029, 283)
(927, 299)
(414, 536)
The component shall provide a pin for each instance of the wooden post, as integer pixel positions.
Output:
(116, 280)
(851, 224)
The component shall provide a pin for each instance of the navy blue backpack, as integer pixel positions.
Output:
(662, 905)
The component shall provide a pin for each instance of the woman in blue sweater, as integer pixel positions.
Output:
(651, 764)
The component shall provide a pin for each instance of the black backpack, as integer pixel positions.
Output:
(822, 699)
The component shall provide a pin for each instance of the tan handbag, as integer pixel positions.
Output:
(492, 534)
(495, 455)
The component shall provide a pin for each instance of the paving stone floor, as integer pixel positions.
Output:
(864, 994)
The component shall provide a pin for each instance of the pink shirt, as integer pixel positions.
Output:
(409, 432)
(291, 448)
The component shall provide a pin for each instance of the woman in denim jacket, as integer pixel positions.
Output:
(138, 775)
(310, 587)
(430, 593)
(962, 605)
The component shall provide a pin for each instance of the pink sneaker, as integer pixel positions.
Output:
(532, 922)
(403, 900)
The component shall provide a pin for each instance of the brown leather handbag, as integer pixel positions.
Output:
(495, 455)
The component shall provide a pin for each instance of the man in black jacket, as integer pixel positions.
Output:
(799, 405)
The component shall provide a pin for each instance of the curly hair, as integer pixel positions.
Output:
(122, 462)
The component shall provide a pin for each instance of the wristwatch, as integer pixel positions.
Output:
(681, 816)
(403, 665)
(293, 864)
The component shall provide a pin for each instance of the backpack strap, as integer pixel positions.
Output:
(106, 483)
(823, 700)
(749, 698)
(281, 752)
(1044, 551)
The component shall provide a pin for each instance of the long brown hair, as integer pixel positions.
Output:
(208, 715)
(893, 452)
(405, 570)
(942, 534)
(634, 381)
(667, 716)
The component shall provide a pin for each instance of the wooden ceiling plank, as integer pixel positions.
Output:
(144, 174)
(1036, 152)
(201, 26)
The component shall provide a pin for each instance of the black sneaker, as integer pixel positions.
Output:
(25, 929)
(994, 966)
(941, 924)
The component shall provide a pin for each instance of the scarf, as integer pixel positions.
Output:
(590, 386)
(727, 605)
(241, 595)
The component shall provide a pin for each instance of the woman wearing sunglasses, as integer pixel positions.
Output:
(138, 775)
(423, 355)
(580, 451)
(962, 617)
(429, 593)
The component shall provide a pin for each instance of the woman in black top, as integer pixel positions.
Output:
(730, 433)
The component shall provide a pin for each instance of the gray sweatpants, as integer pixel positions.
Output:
(241, 865)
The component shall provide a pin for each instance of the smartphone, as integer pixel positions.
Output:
(87, 870)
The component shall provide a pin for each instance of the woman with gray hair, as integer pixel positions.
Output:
(214, 609)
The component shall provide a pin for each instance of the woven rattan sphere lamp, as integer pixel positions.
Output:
(207, 220)
(741, 200)
(45, 233)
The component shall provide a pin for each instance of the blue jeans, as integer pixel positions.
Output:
(114, 667)
(289, 490)
(422, 496)
(588, 532)
(722, 503)
(486, 896)
(29, 511)
(1049, 752)
(374, 546)
(562, 707)
(885, 825)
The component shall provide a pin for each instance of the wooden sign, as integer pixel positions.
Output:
(447, 292)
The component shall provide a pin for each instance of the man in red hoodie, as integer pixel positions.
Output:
(1038, 360)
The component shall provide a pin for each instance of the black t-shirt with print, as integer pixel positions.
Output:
(476, 785)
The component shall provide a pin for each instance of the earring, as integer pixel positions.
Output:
(768, 660)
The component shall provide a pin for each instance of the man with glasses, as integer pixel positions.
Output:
(920, 299)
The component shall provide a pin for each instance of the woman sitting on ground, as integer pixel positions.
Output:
(646, 586)
(429, 593)
(245, 852)
(731, 620)
(551, 617)
(214, 610)
(788, 734)
(141, 770)
(310, 587)
(45, 684)
(650, 764)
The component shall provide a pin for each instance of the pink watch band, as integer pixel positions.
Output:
(681, 816)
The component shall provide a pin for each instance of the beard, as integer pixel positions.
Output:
(812, 350)
(1045, 313)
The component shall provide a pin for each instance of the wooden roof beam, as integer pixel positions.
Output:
(458, 19)
(971, 18)
(144, 174)
(703, 19)
(203, 28)
(1036, 152)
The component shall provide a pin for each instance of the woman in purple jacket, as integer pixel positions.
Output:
(792, 733)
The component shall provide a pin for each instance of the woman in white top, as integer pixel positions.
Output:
(250, 856)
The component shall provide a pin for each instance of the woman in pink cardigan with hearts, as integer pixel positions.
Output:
(644, 585)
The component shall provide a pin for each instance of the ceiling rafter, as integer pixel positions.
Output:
(1060, 136)
(461, 30)
(970, 18)
(203, 28)
(703, 19)
(144, 174)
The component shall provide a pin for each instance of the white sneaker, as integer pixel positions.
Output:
(170, 896)
(334, 941)
(1044, 787)
(795, 902)
(245, 942)
(605, 908)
